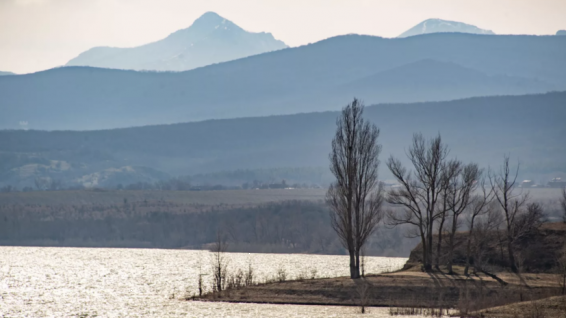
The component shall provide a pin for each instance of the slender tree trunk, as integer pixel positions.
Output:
(439, 243)
(511, 254)
(354, 271)
(428, 264)
(450, 254)
(469, 248)
(423, 243)
(451, 245)
(500, 245)
(426, 257)
(358, 264)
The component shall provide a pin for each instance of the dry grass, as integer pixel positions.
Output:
(404, 289)
(551, 307)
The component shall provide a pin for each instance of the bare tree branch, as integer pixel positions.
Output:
(503, 184)
(419, 192)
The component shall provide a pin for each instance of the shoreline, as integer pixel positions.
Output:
(406, 288)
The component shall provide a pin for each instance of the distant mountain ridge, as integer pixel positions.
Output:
(304, 79)
(428, 80)
(6, 73)
(442, 26)
(561, 32)
(480, 129)
(210, 39)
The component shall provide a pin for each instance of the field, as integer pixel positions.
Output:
(236, 197)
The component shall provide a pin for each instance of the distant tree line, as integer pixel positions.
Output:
(293, 226)
(173, 184)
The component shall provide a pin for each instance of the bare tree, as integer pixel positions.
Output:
(503, 183)
(450, 174)
(460, 190)
(479, 206)
(363, 292)
(529, 219)
(219, 263)
(483, 234)
(355, 198)
(419, 192)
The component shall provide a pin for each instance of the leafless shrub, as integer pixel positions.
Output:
(417, 311)
(302, 275)
(200, 284)
(188, 293)
(362, 291)
(236, 280)
(249, 275)
(313, 273)
(281, 274)
(219, 264)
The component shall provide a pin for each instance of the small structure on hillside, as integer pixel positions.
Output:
(557, 183)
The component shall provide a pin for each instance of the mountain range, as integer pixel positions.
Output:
(210, 39)
(317, 77)
(440, 26)
(213, 39)
(481, 129)
(6, 73)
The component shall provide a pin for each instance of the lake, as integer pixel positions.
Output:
(108, 282)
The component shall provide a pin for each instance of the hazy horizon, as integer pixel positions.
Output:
(41, 34)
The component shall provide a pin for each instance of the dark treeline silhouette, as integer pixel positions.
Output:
(292, 226)
(274, 178)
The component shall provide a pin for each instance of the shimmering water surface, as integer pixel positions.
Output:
(102, 282)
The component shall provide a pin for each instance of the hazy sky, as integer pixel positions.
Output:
(41, 34)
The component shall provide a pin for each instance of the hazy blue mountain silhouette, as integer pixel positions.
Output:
(561, 32)
(442, 26)
(429, 80)
(482, 129)
(6, 73)
(288, 81)
(210, 39)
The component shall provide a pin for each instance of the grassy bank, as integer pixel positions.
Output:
(409, 289)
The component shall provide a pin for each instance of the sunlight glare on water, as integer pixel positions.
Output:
(106, 282)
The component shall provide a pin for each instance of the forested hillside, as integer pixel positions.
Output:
(529, 128)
